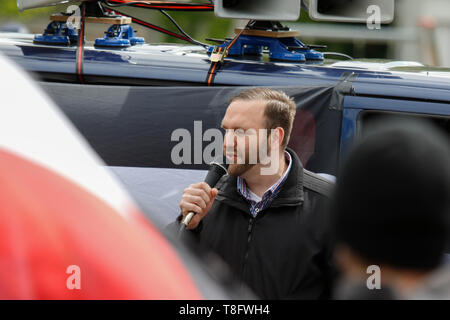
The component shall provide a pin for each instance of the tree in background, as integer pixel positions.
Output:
(9, 11)
(199, 25)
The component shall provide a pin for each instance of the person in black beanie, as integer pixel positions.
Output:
(391, 211)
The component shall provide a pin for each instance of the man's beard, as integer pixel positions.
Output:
(239, 169)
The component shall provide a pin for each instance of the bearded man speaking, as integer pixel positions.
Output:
(261, 218)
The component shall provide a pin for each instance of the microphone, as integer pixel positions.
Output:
(216, 171)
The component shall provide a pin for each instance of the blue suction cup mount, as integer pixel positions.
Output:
(57, 33)
(119, 36)
(280, 42)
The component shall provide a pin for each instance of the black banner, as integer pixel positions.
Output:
(133, 126)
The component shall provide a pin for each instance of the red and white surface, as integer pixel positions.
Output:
(59, 206)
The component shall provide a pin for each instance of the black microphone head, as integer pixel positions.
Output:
(221, 161)
(216, 171)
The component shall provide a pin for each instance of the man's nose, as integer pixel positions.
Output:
(229, 139)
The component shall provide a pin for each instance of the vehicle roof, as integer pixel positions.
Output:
(174, 64)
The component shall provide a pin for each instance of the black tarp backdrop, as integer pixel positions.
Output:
(132, 126)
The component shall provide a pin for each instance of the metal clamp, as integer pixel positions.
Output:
(218, 56)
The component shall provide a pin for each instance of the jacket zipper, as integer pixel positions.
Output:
(249, 238)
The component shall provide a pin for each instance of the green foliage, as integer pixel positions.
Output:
(204, 25)
(199, 25)
(8, 10)
(304, 17)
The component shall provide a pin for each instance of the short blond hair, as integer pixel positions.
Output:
(279, 112)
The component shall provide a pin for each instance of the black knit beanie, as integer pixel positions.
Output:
(392, 199)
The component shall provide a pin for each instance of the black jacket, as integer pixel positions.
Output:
(282, 253)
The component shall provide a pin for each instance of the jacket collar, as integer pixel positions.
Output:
(291, 192)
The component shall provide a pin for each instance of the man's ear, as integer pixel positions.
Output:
(276, 137)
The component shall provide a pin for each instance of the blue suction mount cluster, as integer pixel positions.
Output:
(57, 33)
(280, 48)
(119, 35)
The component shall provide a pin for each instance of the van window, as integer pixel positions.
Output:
(367, 118)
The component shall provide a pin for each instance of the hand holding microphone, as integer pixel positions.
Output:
(198, 198)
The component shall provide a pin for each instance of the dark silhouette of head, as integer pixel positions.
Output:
(392, 199)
